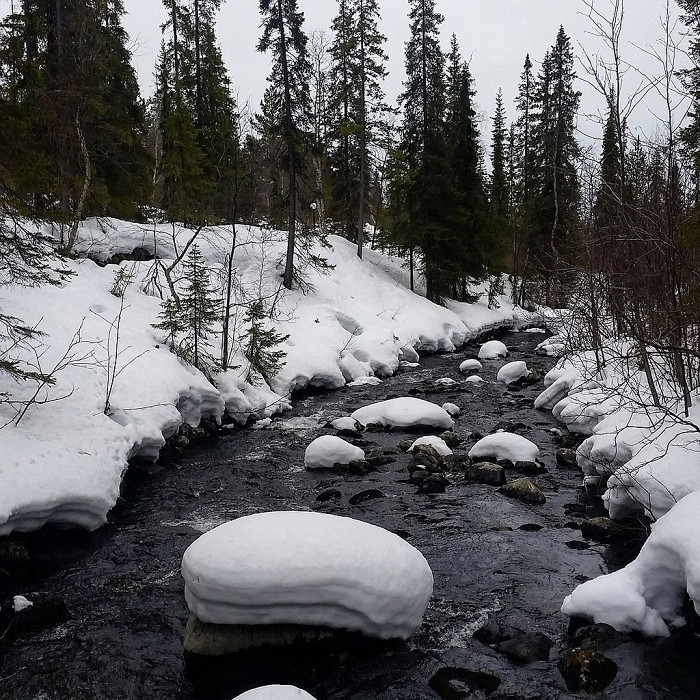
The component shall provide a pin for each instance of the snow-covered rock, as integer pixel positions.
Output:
(275, 692)
(438, 444)
(505, 445)
(19, 603)
(647, 595)
(404, 412)
(452, 409)
(534, 330)
(308, 569)
(474, 379)
(512, 372)
(345, 423)
(492, 349)
(470, 366)
(445, 381)
(328, 450)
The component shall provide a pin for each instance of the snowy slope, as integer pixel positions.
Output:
(64, 460)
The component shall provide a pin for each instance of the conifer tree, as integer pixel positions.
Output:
(289, 96)
(500, 186)
(261, 344)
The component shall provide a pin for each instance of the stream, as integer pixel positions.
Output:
(113, 612)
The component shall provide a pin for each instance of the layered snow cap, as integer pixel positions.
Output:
(504, 445)
(492, 349)
(404, 412)
(647, 595)
(512, 372)
(328, 450)
(308, 569)
(275, 692)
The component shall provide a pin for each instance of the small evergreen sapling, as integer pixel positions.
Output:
(259, 343)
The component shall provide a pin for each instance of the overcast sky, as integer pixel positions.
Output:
(494, 35)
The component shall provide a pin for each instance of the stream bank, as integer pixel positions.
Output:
(117, 596)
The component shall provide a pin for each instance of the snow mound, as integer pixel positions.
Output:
(492, 349)
(474, 380)
(647, 595)
(512, 372)
(308, 569)
(328, 450)
(365, 381)
(275, 692)
(445, 381)
(438, 444)
(453, 409)
(404, 412)
(470, 366)
(534, 330)
(504, 445)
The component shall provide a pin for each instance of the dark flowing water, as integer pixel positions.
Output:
(120, 633)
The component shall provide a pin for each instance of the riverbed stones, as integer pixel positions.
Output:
(451, 439)
(453, 683)
(485, 473)
(586, 670)
(602, 529)
(307, 568)
(529, 468)
(524, 489)
(364, 496)
(566, 457)
(526, 648)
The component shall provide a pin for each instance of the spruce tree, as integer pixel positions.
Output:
(260, 344)
(500, 187)
(284, 37)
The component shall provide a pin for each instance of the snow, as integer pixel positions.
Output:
(470, 366)
(328, 450)
(438, 444)
(534, 330)
(275, 692)
(512, 372)
(452, 409)
(647, 595)
(19, 603)
(64, 461)
(310, 569)
(404, 412)
(492, 349)
(506, 445)
(474, 380)
(445, 381)
(345, 423)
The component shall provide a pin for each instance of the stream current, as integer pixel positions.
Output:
(118, 596)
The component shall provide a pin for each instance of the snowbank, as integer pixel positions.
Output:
(647, 595)
(65, 459)
(308, 569)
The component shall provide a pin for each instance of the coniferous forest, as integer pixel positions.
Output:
(459, 197)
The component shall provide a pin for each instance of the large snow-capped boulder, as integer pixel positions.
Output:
(512, 372)
(505, 445)
(308, 569)
(404, 412)
(438, 444)
(328, 450)
(647, 595)
(492, 349)
(275, 692)
(470, 366)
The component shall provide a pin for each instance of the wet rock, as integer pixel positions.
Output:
(379, 459)
(349, 434)
(495, 632)
(509, 427)
(450, 439)
(360, 467)
(577, 544)
(566, 457)
(425, 461)
(457, 462)
(433, 483)
(600, 636)
(586, 670)
(455, 683)
(476, 435)
(526, 648)
(530, 527)
(330, 494)
(524, 489)
(485, 473)
(181, 442)
(205, 639)
(428, 451)
(364, 496)
(405, 445)
(13, 553)
(602, 529)
(530, 468)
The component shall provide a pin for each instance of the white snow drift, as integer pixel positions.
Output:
(404, 412)
(647, 595)
(505, 445)
(492, 349)
(512, 372)
(328, 450)
(309, 569)
(275, 692)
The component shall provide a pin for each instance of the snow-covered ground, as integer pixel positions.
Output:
(63, 461)
(649, 458)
